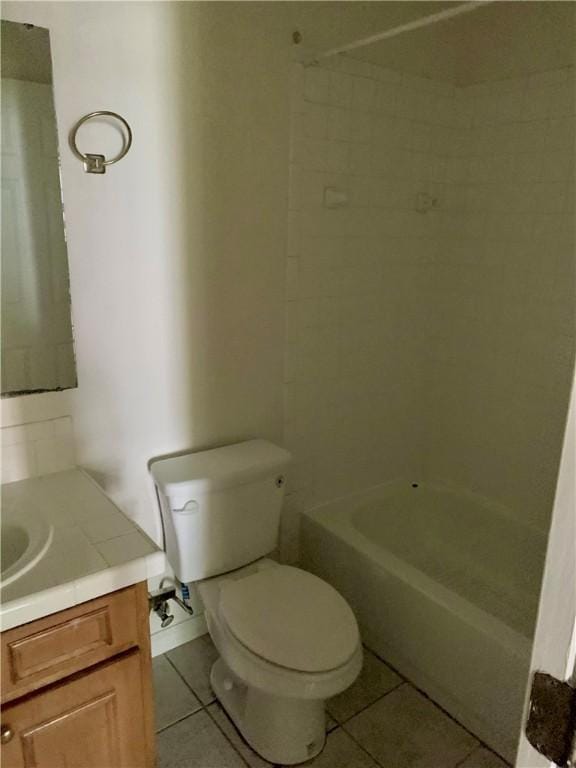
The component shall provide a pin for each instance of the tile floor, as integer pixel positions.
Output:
(380, 721)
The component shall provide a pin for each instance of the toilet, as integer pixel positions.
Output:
(287, 640)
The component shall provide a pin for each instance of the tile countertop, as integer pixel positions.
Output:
(95, 549)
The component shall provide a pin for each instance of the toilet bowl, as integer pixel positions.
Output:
(287, 642)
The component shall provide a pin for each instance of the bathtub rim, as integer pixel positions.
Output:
(339, 523)
(496, 507)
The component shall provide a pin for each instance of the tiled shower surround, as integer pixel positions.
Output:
(430, 312)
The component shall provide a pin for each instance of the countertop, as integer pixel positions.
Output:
(95, 548)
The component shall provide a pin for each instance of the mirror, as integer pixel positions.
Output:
(37, 343)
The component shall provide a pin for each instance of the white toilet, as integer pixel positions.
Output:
(287, 640)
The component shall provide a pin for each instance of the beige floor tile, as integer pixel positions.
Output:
(254, 760)
(483, 758)
(406, 730)
(341, 752)
(194, 661)
(172, 697)
(375, 679)
(196, 742)
(227, 727)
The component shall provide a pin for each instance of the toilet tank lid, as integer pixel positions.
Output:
(204, 471)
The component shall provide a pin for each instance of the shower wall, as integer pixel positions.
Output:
(429, 284)
(369, 211)
(500, 362)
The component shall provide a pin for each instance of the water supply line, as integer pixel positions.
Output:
(158, 601)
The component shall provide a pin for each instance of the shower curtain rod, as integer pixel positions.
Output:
(423, 21)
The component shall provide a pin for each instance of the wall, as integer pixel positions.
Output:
(359, 277)
(501, 358)
(177, 252)
(176, 276)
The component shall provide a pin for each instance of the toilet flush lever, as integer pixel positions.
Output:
(189, 508)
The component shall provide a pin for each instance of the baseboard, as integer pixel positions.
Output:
(165, 639)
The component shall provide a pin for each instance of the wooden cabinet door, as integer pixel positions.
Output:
(44, 651)
(94, 720)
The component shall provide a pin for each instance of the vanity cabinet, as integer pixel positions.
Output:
(77, 688)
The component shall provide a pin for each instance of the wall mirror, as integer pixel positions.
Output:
(37, 343)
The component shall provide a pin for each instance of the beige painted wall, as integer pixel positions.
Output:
(176, 254)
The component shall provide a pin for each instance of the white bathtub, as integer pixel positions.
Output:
(445, 587)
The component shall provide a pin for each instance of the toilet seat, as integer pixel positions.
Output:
(255, 670)
(290, 618)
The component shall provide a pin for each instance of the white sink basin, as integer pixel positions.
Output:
(24, 540)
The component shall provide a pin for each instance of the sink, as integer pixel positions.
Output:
(24, 540)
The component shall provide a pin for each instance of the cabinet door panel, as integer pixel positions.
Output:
(56, 646)
(91, 721)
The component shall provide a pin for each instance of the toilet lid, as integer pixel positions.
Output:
(291, 618)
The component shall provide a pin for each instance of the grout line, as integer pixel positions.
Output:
(202, 708)
(461, 762)
(438, 706)
(186, 683)
(477, 749)
(387, 663)
(179, 720)
(359, 744)
(227, 716)
(363, 748)
(367, 706)
(217, 724)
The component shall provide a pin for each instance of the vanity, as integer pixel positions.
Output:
(75, 642)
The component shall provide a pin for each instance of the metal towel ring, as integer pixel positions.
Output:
(97, 163)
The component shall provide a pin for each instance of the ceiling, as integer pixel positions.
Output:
(497, 41)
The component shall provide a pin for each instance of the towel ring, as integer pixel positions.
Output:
(97, 163)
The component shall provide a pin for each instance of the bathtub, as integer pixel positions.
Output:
(445, 587)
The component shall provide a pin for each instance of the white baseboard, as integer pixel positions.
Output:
(165, 639)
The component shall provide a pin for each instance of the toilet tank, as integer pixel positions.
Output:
(220, 508)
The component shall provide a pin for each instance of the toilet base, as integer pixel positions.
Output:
(281, 730)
